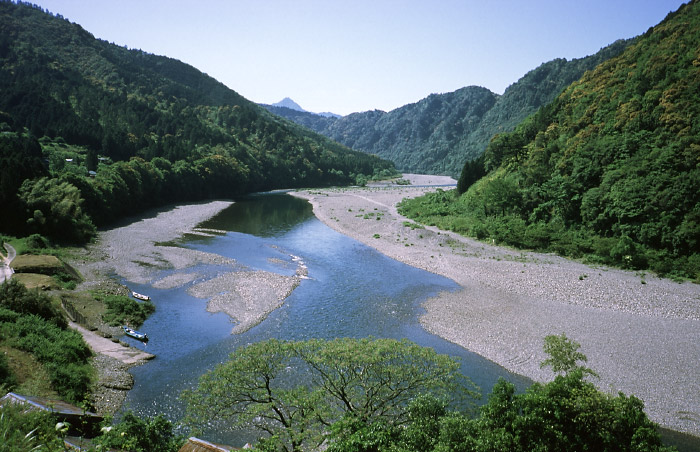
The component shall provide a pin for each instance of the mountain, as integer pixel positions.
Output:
(612, 166)
(438, 134)
(329, 114)
(173, 133)
(288, 103)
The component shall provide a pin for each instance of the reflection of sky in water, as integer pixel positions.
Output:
(352, 291)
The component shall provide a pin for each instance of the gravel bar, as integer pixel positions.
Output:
(641, 333)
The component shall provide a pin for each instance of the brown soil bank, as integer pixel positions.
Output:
(642, 335)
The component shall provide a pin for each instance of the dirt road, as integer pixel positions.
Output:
(5, 269)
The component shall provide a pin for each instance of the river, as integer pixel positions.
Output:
(352, 291)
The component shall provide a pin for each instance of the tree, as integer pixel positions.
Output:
(16, 297)
(141, 435)
(378, 378)
(91, 160)
(294, 391)
(54, 209)
(564, 355)
(251, 388)
(472, 171)
(568, 413)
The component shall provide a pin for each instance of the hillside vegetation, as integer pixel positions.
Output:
(610, 169)
(155, 131)
(438, 134)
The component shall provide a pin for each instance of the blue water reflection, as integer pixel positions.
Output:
(353, 291)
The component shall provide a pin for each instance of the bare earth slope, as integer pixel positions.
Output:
(642, 338)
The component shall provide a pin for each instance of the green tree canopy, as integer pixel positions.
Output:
(294, 391)
(564, 356)
(566, 414)
(54, 209)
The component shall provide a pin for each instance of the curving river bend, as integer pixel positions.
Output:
(352, 291)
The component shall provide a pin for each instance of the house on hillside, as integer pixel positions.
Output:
(199, 445)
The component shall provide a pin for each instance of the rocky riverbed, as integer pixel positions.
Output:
(641, 333)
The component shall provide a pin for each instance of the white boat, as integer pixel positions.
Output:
(140, 296)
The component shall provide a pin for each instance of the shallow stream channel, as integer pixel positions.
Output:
(351, 290)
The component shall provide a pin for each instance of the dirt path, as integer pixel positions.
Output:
(99, 344)
(5, 269)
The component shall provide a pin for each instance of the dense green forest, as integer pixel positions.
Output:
(439, 133)
(610, 169)
(152, 129)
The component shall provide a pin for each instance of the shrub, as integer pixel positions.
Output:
(37, 242)
(22, 430)
(62, 352)
(537, 236)
(141, 435)
(121, 310)
(7, 378)
(16, 297)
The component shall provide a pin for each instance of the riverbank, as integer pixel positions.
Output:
(640, 332)
(142, 250)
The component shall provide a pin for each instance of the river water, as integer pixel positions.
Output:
(352, 291)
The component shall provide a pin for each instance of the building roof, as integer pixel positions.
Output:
(80, 421)
(50, 405)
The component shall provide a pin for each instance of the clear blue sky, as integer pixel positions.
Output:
(346, 56)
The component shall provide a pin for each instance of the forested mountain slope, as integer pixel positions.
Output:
(611, 167)
(438, 134)
(192, 137)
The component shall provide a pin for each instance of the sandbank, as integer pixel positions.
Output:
(641, 333)
(143, 250)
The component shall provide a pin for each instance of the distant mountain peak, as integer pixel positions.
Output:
(288, 103)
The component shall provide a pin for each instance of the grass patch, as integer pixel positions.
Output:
(28, 373)
(124, 310)
(413, 225)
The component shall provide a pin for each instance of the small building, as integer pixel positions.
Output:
(80, 422)
(199, 445)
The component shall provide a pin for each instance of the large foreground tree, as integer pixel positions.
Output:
(294, 391)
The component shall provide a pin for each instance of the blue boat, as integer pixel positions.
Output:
(135, 334)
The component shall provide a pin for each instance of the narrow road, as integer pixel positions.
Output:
(5, 269)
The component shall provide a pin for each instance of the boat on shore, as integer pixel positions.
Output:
(140, 296)
(135, 334)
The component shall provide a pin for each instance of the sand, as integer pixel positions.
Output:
(640, 333)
